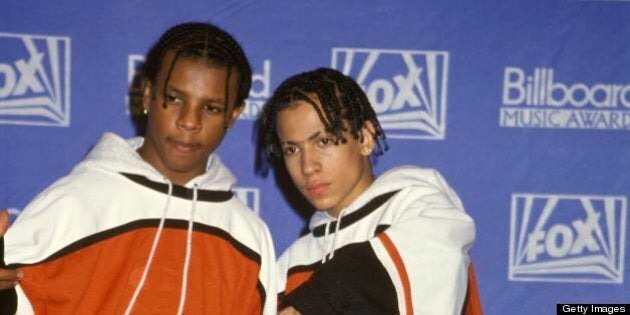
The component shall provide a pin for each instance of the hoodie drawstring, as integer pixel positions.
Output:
(182, 296)
(324, 247)
(156, 239)
(328, 252)
(337, 227)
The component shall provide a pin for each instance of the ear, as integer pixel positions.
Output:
(367, 138)
(147, 95)
(234, 114)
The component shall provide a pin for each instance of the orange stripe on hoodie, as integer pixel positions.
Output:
(222, 280)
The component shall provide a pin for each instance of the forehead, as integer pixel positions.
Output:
(298, 121)
(197, 73)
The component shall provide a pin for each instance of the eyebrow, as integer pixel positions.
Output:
(311, 137)
(211, 100)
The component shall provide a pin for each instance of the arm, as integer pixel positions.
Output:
(8, 277)
(34, 236)
(428, 258)
(268, 273)
(354, 282)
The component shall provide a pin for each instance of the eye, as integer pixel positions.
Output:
(172, 99)
(212, 109)
(289, 150)
(325, 141)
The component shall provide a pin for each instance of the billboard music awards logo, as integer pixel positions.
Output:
(249, 196)
(34, 80)
(540, 99)
(258, 94)
(407, 88)
(567, 238)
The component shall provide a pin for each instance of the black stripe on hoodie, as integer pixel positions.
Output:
(356, 215)
(181, 191)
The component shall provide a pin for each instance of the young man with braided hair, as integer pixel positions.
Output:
(149, 225)
(396, 244)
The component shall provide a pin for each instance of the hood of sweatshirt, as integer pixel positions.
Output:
(115, 154)
(393, 180)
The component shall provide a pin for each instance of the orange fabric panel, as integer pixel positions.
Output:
(400, 267)
(295, 280)
(101, 278)
(472, 305)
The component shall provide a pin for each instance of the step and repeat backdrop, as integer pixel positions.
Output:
(523, 106)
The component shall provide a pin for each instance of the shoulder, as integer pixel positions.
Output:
(240, 223)
(303, 251)
(68, 192)
(240, 211)
(413, 175)
(416, 181)
(424, 191)
(64, 212)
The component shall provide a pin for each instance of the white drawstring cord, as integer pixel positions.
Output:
(156, 239)
(337, 227)
(182, 296)
(325, 239)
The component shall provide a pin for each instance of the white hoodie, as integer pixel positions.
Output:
(116, 237)
(401, 247)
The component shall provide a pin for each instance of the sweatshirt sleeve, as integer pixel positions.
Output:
(268, 275)
(33, 237)
(418, 265)
(354, 282)
(8, 297)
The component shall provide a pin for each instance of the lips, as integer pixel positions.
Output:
(316, 190)
(183, 146)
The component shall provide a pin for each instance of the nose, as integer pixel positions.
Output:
(189, 119)
(309, 162)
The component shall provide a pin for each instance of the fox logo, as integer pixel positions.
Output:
(407, 88)
(34, 80)
(567, 238)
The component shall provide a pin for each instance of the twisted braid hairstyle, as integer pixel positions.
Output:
(343, 107)
(199, 41)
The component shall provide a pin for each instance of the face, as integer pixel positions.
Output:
(329, 175)
(181, 136)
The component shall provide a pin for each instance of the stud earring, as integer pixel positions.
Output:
(145, 111)
(366, 151)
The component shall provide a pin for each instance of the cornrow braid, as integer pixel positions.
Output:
(344, 107)
(205, 42)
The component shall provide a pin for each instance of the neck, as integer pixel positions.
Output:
(175, 177)
(361, 186)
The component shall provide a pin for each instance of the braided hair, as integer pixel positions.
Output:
(199, 41)
(344, 107)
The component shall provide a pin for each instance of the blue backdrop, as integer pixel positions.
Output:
(522, 105)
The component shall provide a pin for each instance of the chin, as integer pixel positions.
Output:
(321, 205)
(179, 168)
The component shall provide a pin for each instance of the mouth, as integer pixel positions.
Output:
(317, 190)
(183, 146)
